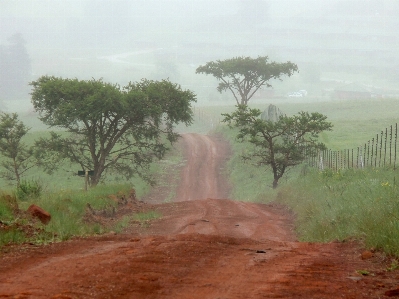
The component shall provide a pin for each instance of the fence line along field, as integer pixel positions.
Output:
(379, 151)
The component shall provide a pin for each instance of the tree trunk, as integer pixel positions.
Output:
(95, 179)
(276, 175)
(17, 176)
(275, 183)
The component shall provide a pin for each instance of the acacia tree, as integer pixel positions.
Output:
(279, 144)
(244, 76)
(110, 129)
(19, 157)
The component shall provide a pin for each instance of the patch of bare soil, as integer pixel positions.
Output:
(204, 246)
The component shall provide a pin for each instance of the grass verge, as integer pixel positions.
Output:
(67, 209)
(250, 182)
(361, 204)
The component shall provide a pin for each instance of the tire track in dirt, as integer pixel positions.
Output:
(202, 176)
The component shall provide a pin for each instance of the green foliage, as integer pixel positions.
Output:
(280, 144)
(364, 272)
(7, 205)
(9, 233)
(29, 189)
(111, 129)
(11, 236)
(331, 205)
(250, 182)
(67, 209)
(244, 76)
(142, 217)
(18, 156)
(351, 203)
(394, 265)
(145, 218)
(123, 223)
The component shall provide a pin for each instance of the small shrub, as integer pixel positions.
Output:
(27, 190)
(123, 223)
(8, 204)
(145, 218)
(11, 236)
(394, 265)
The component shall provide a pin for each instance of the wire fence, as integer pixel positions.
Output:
(380, 151)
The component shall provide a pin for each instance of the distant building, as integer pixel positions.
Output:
(352, 91)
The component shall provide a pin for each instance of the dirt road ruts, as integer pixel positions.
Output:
(203, 246)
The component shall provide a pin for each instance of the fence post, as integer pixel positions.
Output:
(396, 140)
(343, 159)
(379, 161)
(361, 157)
(336, 161)
(349, 159)
(376, 152)
(321, 166)
(368, 153)
(390, 147)
(385, 146)
(372, 152)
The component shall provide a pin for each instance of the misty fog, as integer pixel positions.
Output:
(334, 43)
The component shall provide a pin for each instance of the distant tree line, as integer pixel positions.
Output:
(15, 68)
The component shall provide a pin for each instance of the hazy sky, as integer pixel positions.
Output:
(123, 40)
(60, 22)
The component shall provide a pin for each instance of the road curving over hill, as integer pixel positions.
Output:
(202, 176)
(203, 246)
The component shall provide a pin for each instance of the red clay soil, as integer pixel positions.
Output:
(203, 246)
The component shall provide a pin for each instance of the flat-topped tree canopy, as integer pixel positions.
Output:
(111, 128)
(244, 76)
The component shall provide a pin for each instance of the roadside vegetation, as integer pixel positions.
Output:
(67, 209)
(62, 194)
(67, 204)
(108, 133)
(360, 204)
(341, 205)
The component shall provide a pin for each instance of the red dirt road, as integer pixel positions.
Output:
(199, 248)
(202, 176)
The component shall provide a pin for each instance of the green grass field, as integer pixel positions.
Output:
(360, 204)
(355, 121)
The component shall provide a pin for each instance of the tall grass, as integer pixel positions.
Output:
(67, 205)
(250, 183)
(67, 208)
(9, 232)
(361, 204)
(6, 211)
(349, 203)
